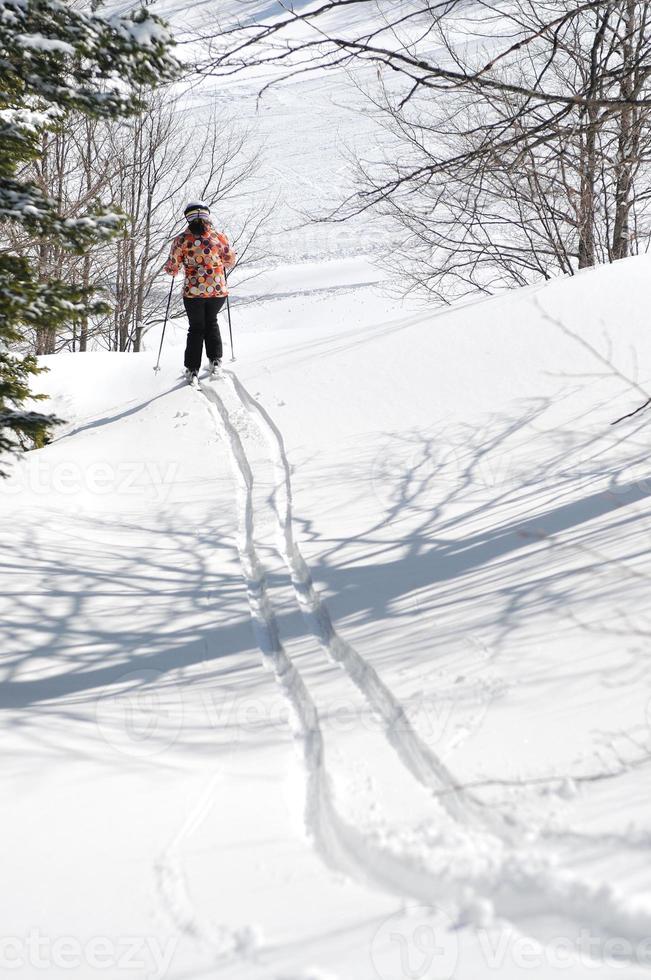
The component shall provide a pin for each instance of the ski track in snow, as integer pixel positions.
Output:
(222, 942)
(342, 847)
(412, 751)
(520, 884)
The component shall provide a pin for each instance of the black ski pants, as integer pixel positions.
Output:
(202, 314)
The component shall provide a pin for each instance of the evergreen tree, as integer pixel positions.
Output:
(55, 58)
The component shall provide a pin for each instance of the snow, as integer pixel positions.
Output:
(39, 43)
(142, 30)
(25, 119)
(344, 652)
(337, 667)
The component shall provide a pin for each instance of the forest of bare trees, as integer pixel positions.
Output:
(519, 133)
(496, 192)
(144, 169)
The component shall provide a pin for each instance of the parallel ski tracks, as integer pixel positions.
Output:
(342, 847)
(520, 886)
(413, 752)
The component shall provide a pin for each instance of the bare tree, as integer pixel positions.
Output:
(400, 38)
(162, 162)
(70, 170)
(518, 133)
(144, 168)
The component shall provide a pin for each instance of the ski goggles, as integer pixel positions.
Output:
(197, 214)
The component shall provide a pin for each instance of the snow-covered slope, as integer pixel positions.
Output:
(337, 668)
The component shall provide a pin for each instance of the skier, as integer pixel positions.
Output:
(205, 254)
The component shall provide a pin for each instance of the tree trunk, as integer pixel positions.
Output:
(85, 282)
(587, 210)
(628, 141)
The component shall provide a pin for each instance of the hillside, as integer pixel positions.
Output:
(423, 731)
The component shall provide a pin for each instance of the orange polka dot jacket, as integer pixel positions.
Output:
(204, 258)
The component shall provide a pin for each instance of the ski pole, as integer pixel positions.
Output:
(228, 310)
(167, 311)
(230, 326)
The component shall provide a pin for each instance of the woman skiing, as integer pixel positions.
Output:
(205, 254)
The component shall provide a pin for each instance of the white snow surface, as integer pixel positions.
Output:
(337, 667)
